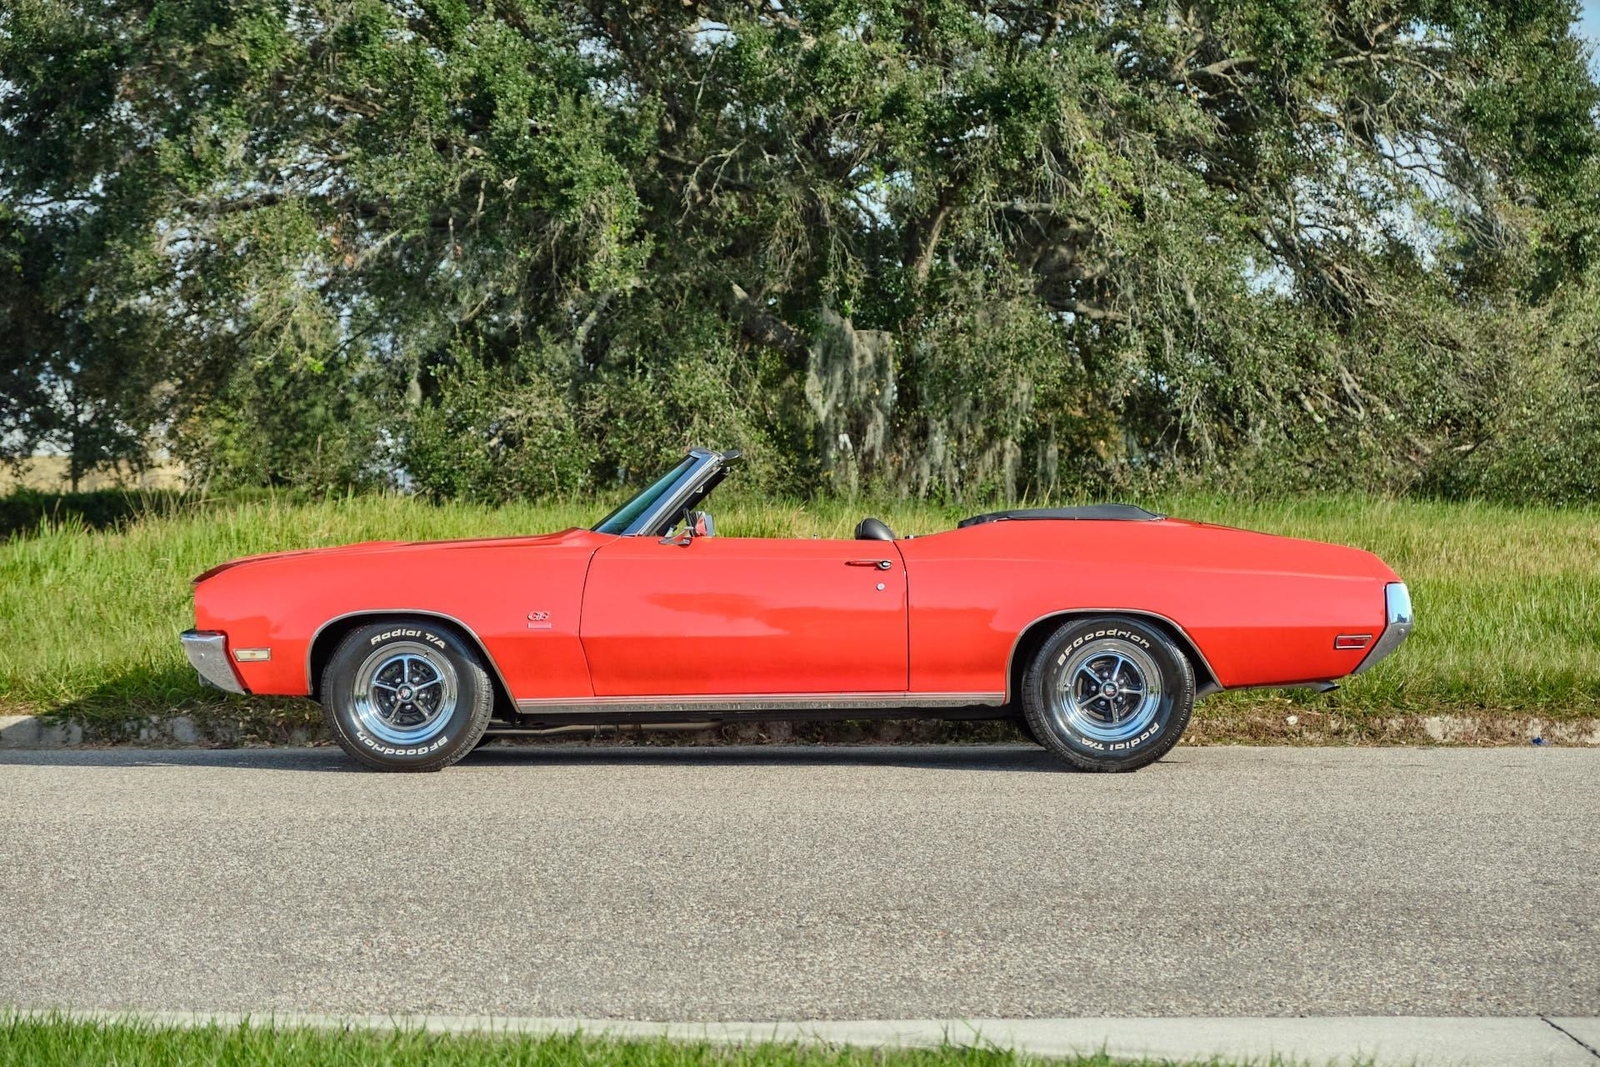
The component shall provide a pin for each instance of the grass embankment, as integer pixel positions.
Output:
(1508, 600)
(53, 1042)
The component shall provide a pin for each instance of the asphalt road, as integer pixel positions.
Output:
(773, 882)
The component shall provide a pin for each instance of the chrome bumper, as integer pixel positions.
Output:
(1397, 602)
(208, 653)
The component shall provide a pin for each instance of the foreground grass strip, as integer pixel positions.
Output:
(31, 1041)
(1508, 600)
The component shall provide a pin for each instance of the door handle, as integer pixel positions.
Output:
(881, 564)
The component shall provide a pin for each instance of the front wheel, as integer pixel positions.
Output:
(1108, 693)
(406, 695)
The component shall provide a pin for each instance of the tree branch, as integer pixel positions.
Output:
(763, 327)
(925, 240)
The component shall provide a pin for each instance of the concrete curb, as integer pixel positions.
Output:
(1532, 1041)
(162, 731)
(30, 731)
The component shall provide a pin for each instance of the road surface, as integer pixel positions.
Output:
(794, 882)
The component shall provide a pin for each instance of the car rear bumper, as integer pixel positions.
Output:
(1397, 605)
(208, 654)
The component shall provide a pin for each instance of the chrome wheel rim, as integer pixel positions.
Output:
(405, 693)
(1107, 690)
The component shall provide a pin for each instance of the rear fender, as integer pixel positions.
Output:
(1039, 630)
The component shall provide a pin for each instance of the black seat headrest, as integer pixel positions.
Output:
(871, 529)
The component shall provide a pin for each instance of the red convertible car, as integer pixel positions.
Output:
(1095, 627)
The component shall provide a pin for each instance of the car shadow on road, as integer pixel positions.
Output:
(998, 757)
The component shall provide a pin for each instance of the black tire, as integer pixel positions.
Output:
(1090, 727)
(450, 695)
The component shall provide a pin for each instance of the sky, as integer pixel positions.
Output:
(1588, 25)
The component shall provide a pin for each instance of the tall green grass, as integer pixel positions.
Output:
(1508, 600)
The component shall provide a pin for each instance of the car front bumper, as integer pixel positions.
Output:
(1397, 605)
(208, 654)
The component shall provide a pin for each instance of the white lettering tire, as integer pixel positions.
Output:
(1109, 693)
(406, 695)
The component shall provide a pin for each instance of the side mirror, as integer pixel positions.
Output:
(695, 524)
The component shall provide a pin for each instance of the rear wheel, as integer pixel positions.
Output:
(406, 695)
(1108, 694)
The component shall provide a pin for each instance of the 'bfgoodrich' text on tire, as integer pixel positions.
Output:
(1108, 693)
(406, 695)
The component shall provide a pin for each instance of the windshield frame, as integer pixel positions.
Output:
(655, 508)
(639, 504)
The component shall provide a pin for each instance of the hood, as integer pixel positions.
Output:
(367, 548)
(263, 557)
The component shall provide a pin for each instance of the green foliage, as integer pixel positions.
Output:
(544, 421)
(497, 436)
(71, 366)
(955, 249)
(273, 423)
(1540, 442)
(999, 383)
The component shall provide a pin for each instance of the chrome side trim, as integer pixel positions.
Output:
(311, 646)
(208, 654)
(1400, 619)
(496, 730)
(758, 702)
(1201, 689)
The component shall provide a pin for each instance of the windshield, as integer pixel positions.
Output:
(619, 520)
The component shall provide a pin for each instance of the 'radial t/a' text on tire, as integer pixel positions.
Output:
(406, 695)
(1109, 693)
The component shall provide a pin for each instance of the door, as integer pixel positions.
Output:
(730, 616)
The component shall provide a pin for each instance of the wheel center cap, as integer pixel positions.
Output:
(405, 692)
(1109, 689)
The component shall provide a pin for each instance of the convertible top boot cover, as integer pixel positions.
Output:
(1101, 512)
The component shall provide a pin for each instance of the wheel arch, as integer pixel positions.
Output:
(330, 633)
(1033, 635)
